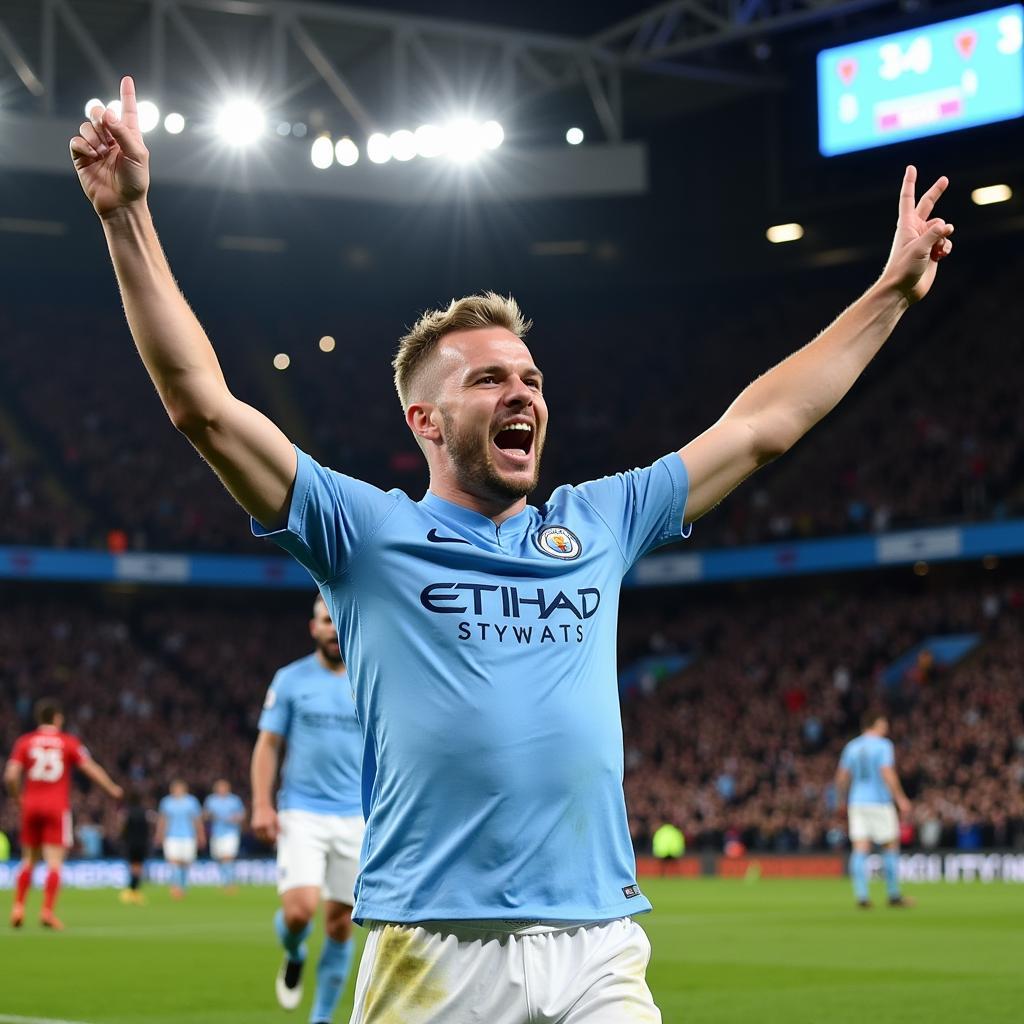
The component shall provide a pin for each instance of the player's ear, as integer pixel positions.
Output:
(421, 418)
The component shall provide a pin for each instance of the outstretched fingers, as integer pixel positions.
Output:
(129, 106)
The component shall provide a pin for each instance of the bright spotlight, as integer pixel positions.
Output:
(322, 153)
(574, 136)
(94, 102)
(991, 194)
(115, 106)
(462, 140)
(403, 145)
(346, 152)
(174, 124)
(492, 135)
(149, 115)
(429, 140)
(378, 148)
(240, 122)
(326, 343)
(784, 233)
(282, 361)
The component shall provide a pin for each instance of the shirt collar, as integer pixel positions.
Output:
(476, 522)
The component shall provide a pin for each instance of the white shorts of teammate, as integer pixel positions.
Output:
(320, 850)
(224, 847)
(875, 823)
(458, 972)
(179, 851)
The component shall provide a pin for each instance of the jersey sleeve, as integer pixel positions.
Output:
(330, 517)
(846, 758)
(197, 810)
(276, 715)
(642, 508)
(887, 755)
(20, 752)
(162, 806)
(74, 752)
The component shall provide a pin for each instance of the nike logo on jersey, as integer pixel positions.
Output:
(436, 539)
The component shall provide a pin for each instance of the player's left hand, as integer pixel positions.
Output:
(920, 241)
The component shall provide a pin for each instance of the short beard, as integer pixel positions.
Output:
(329, 656)
(476, 472)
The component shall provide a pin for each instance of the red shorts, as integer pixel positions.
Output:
(45, 827)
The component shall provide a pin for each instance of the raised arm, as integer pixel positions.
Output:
(93, 771)
(773, 413)
(248, 452)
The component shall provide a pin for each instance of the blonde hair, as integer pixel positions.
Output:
(488, 309)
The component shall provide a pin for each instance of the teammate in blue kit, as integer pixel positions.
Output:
(180, 831)
(868, 782)
(225, 812)
(497, 876)
(318, 823)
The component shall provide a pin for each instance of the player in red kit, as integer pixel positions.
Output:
(39, 771)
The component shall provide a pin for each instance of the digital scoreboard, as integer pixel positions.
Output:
(939, 78)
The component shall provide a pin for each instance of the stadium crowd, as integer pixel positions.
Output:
(932, 436)
(741, 746)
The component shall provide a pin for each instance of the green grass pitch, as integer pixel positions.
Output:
(773, 952)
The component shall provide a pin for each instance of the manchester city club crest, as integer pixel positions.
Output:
(558, 542)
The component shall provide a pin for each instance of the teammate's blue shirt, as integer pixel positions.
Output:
(483, 659)
(181, 814)
(224, 810)
(312, 708)
(864, 758)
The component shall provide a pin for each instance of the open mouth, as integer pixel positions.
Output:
(515, 440)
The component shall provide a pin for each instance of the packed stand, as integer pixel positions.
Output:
(931, 436)
(742, 745)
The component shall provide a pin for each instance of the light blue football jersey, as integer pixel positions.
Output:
(224, 811)
(484, 667)
(312, 708)
(864, 758)
(181, 813)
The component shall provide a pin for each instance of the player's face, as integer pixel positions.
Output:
(493, 417)
(222, 787)
(324, 635)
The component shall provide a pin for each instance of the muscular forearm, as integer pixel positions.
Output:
(783, 404)
(173, 345)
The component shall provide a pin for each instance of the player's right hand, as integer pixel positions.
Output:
(264, 823)
(110, 157)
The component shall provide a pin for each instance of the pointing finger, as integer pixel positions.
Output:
(931, 197)
(129, 107)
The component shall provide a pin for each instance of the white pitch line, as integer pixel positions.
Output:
(6, 1018)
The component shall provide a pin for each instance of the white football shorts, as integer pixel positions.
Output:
(180, 851)
(877, 823)
(224, 847)
(320, 850)
(469, 972)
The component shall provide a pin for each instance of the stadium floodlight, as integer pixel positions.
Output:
(574, 136)
(283, 128)
(462, 140)
(784, 233)
(492, 135)
(149, 115)
(327, 343)
(378, 148)
(403, 144)
(94, 102)
(174, 124)
(322, 152)
(240, 122)
(282, 361)
(115, 106)
(429, 140)
(991, 194)
(346, 152)
(299, 130)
